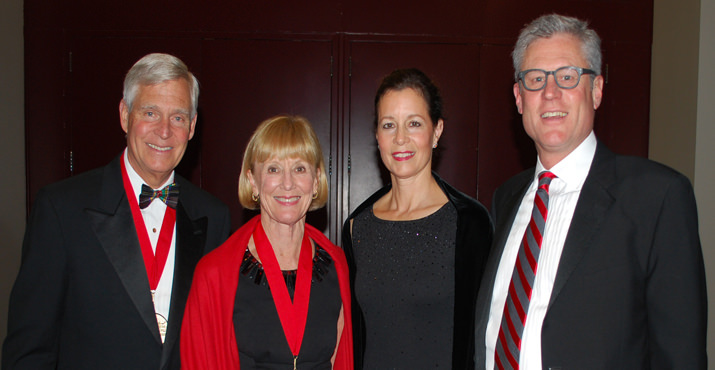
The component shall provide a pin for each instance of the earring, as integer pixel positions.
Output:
(434, 146)
(255, 197)
(315, 195)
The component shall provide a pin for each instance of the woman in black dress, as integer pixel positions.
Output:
(416, 248)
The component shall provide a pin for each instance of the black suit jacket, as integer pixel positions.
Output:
(630, 290)
(81, 299)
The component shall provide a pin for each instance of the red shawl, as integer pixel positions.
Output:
(208, 338)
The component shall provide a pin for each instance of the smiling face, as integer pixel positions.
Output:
(557, 119)
(286, 187)
(158, 128)
(405, 133)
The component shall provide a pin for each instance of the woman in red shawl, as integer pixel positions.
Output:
(275, 294)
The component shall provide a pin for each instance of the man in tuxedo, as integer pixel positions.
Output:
(109, 255)
(601, 267)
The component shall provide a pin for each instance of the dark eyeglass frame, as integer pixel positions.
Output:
(581, 71)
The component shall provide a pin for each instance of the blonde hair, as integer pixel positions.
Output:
(283, 137)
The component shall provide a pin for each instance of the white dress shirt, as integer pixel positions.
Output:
(153, 217)
(564, 192)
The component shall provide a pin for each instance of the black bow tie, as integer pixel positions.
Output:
(169, 195)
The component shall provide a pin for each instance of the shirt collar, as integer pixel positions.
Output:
(136, 180)
(572, 170)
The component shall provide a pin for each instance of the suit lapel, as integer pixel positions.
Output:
(190, 242)
(506, 214)
(589, 215)
(113, 225)
(505, 221)
(503, 226)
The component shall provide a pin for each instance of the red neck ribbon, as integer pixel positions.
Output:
(293, 315)
(154, 262)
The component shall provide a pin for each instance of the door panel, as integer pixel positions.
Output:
(98, 67)
(504, 147)
(622, 119)
(46, 136)
(247, 81)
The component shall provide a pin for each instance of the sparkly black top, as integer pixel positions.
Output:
(259, 334)
(404, 284)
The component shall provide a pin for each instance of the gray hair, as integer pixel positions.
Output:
(156, 68)
(552, 24)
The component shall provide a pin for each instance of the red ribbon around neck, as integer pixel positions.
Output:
(154, 262)
(293, 315)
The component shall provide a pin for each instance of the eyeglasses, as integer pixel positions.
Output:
(565, 77)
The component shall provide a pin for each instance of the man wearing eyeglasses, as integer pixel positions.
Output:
(596, 261)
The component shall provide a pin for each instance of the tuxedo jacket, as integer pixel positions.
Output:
(629, 291)
(82, 299)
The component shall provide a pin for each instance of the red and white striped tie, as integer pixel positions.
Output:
(508, 347)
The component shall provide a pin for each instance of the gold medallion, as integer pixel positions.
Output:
(163, 325)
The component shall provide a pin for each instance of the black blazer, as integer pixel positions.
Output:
(630, 290)
(81, 299)
(474, 236)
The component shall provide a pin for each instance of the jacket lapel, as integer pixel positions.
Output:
(589, 215)
(190, 242)
(113, 225)
(503, 222)
(503, 215)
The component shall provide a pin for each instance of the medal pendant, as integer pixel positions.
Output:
(295, 362)
(163, 325)
(160, 320)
